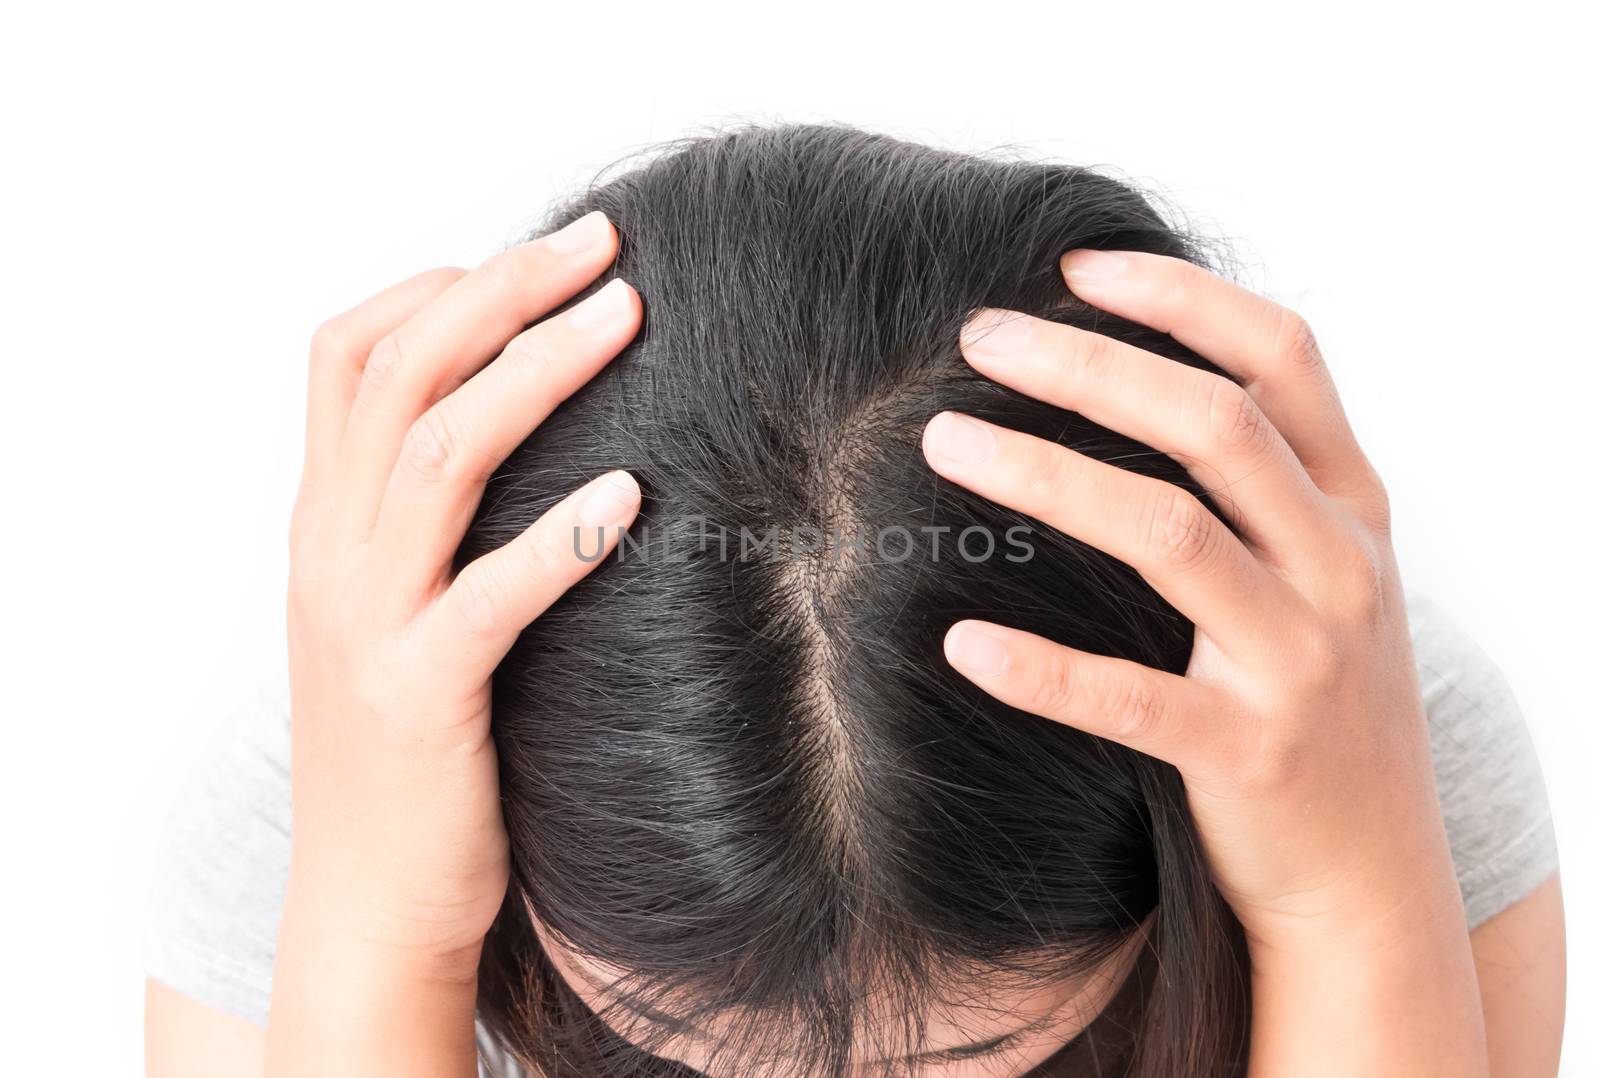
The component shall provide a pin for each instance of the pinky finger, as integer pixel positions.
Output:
(495, 597)
(1163, 715)
(339, 350)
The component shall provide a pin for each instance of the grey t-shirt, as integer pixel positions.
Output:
(226, 856)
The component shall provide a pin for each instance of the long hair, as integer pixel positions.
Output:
(734, 762)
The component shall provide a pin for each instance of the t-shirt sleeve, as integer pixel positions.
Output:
(223, 868)
(1490, 786)
(223, 864)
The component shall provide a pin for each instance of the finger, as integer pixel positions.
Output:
(1210, 424)
(1184, 551)
(339, 350)
(1172, 718)
(449, 340)
(1268, 347)
(495, 597)
(450, 451)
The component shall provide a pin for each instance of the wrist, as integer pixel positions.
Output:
(345, 948)
(1359, 921)
(1391, 993)
(346, 1002)
(358, 921)
(1393, 884)
(1392, 900)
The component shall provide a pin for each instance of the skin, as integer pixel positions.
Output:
(1298, 727)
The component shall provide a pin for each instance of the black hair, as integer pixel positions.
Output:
(734, 761)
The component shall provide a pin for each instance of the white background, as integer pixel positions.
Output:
(188, 191)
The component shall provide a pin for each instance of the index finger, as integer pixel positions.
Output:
(1269, 348)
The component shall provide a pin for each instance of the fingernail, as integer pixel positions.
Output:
(976, 650)
(997, 332)
(580, 235)
(604, 306)
(1092, 267)
(611, 499)
(958, 438)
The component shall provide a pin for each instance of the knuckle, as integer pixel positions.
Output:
(437, 280)
(528, 357)
(481, 602)
(1133, 710)
(1181, 531)
(429, 447)
(501, 274)
(383, 366)
(1374, 505)
(1177, 281)
(330, 343)
(1320, 657)
(1296, 342)
(540, 554)
(1365, 584)
(1088, 357)
(442, 431)
(1379, 514)
(1348, 554)
(314, 584)
(1234, 421)
(1054, 687)
(1044, 468)
(305, 593)
(1271, 758)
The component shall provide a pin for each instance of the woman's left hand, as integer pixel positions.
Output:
(1298, 727)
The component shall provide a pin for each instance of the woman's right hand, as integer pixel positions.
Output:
(399, 855)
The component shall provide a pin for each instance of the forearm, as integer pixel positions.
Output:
(346, 1006)
(1399, 1001)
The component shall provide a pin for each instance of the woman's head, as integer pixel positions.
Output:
(758, 824)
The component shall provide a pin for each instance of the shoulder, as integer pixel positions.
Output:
(1490, 785)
